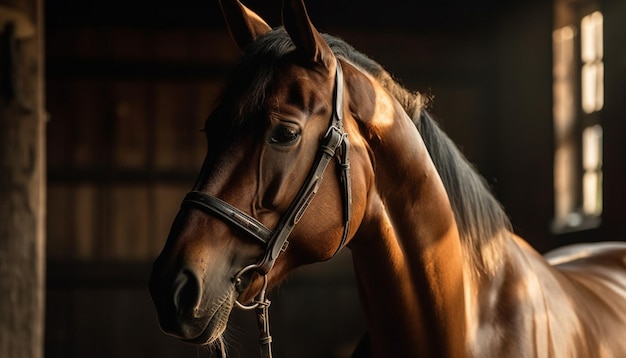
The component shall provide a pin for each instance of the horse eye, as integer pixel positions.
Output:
(285, 135)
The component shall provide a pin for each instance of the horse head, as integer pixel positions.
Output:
(262, 170)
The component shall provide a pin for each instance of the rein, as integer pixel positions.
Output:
(334, 144)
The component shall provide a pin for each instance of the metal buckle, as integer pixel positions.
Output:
(260, 297)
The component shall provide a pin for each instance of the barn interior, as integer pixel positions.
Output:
(128, 86)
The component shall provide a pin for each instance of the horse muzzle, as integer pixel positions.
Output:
(186, 309)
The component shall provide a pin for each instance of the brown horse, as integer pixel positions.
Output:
(440, 272)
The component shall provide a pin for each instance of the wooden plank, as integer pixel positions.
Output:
(59, 226)
(128, 212)
(83, 43)
(171, 45)
(129, 104)
(85, 222)
(173, 109)
(206, 94)
(214, 46)
(61, 112)
(166, 201)
(164, 128)
(103, 69)
(90, 129)
(125, 43)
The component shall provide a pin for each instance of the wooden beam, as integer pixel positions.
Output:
(22, 182)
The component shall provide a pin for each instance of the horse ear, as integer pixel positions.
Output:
(304, 35)
(245, 25)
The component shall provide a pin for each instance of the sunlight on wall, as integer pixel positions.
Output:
(564, 112)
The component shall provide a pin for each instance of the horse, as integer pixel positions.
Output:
(312, 148)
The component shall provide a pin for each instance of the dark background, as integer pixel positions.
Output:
(129, 84)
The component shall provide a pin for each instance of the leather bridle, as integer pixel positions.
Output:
(334, 144)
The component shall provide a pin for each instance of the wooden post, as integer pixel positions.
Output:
(22, 180)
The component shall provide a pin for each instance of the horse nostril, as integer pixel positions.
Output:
(186, 291)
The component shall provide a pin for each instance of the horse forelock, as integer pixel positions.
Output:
(244, 93)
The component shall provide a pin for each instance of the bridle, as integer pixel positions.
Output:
(334, 144)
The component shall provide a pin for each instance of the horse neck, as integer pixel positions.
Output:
(407, 253)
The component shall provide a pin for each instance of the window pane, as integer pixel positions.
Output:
(591, 47)
(587, 50)
(592, 148)
(591, 52)
(598, 24)
(592, 193)
(588, 81)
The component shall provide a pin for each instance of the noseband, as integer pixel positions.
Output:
(334, 144)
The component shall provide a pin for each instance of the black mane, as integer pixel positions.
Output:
(480, 218)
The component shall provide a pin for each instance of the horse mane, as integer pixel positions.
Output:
(480, 218)
(482, 221)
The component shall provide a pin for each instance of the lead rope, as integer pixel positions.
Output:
(263, 321)
(261, 306)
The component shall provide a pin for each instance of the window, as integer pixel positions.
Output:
(591, 53)
(578, 90)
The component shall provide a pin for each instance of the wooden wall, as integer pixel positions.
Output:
(522, 149)
(126, 111)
